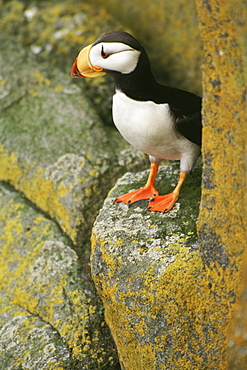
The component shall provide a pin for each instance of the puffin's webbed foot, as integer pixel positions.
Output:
(163, 203)
(147, 192)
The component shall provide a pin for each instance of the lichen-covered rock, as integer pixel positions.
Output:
(237, 341)
(147, 268)
(222, 224)
(54, 147)
(49, 317)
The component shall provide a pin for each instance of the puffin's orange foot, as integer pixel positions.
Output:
(144, 193)
(163, 203)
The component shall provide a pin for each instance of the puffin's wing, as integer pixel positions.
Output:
(190, 127)
(186, 108)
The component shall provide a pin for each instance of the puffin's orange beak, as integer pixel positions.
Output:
(74, 70)
(82, 66)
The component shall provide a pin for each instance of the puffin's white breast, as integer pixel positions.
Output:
(149, 127)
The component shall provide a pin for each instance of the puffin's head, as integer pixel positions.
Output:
(113, 52)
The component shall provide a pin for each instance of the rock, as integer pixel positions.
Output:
(237, 340)
(143, 266)
(49, 316)
(43, 120)
(54, 147)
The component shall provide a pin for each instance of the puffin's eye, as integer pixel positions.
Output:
(103, 54)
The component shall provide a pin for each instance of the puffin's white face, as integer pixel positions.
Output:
(112, 56)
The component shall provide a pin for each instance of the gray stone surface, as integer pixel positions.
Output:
(139, 262)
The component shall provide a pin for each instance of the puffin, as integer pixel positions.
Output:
(162, 121)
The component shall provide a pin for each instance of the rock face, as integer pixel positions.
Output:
(222, 228)
(56, 157)
(144, 265)
(47, 126)
(48, 312)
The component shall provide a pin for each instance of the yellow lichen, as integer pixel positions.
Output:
(42, 80)
(58, 88)
(36, 296)
(37, 188)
